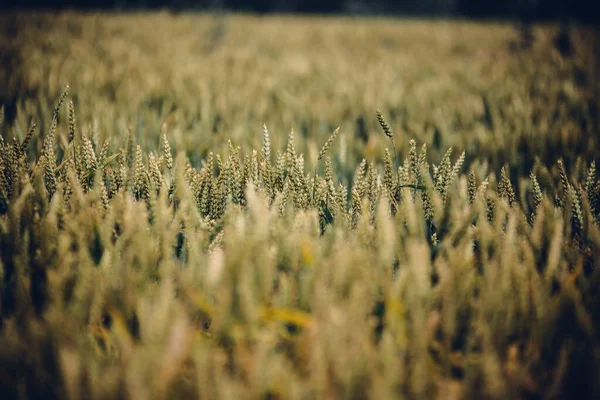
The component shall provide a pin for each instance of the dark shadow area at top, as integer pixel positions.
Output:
(529, 10)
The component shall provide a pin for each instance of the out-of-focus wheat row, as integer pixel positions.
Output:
(443, 83)
(157, 241)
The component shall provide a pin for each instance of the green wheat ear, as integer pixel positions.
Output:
(28, 137)
(166, 148)
(577, 211)
(328, 143)
(322, 153)
(564, 181)
(590, 178)
(471, 187)
(505, 188)
(537, 193)
(388, 132)
(50, 159)
(61, 101)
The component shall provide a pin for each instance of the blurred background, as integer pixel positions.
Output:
(483, 76)
(582, 10)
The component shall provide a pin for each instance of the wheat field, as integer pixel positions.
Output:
(224, 206)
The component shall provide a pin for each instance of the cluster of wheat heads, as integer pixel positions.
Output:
(137, 275)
